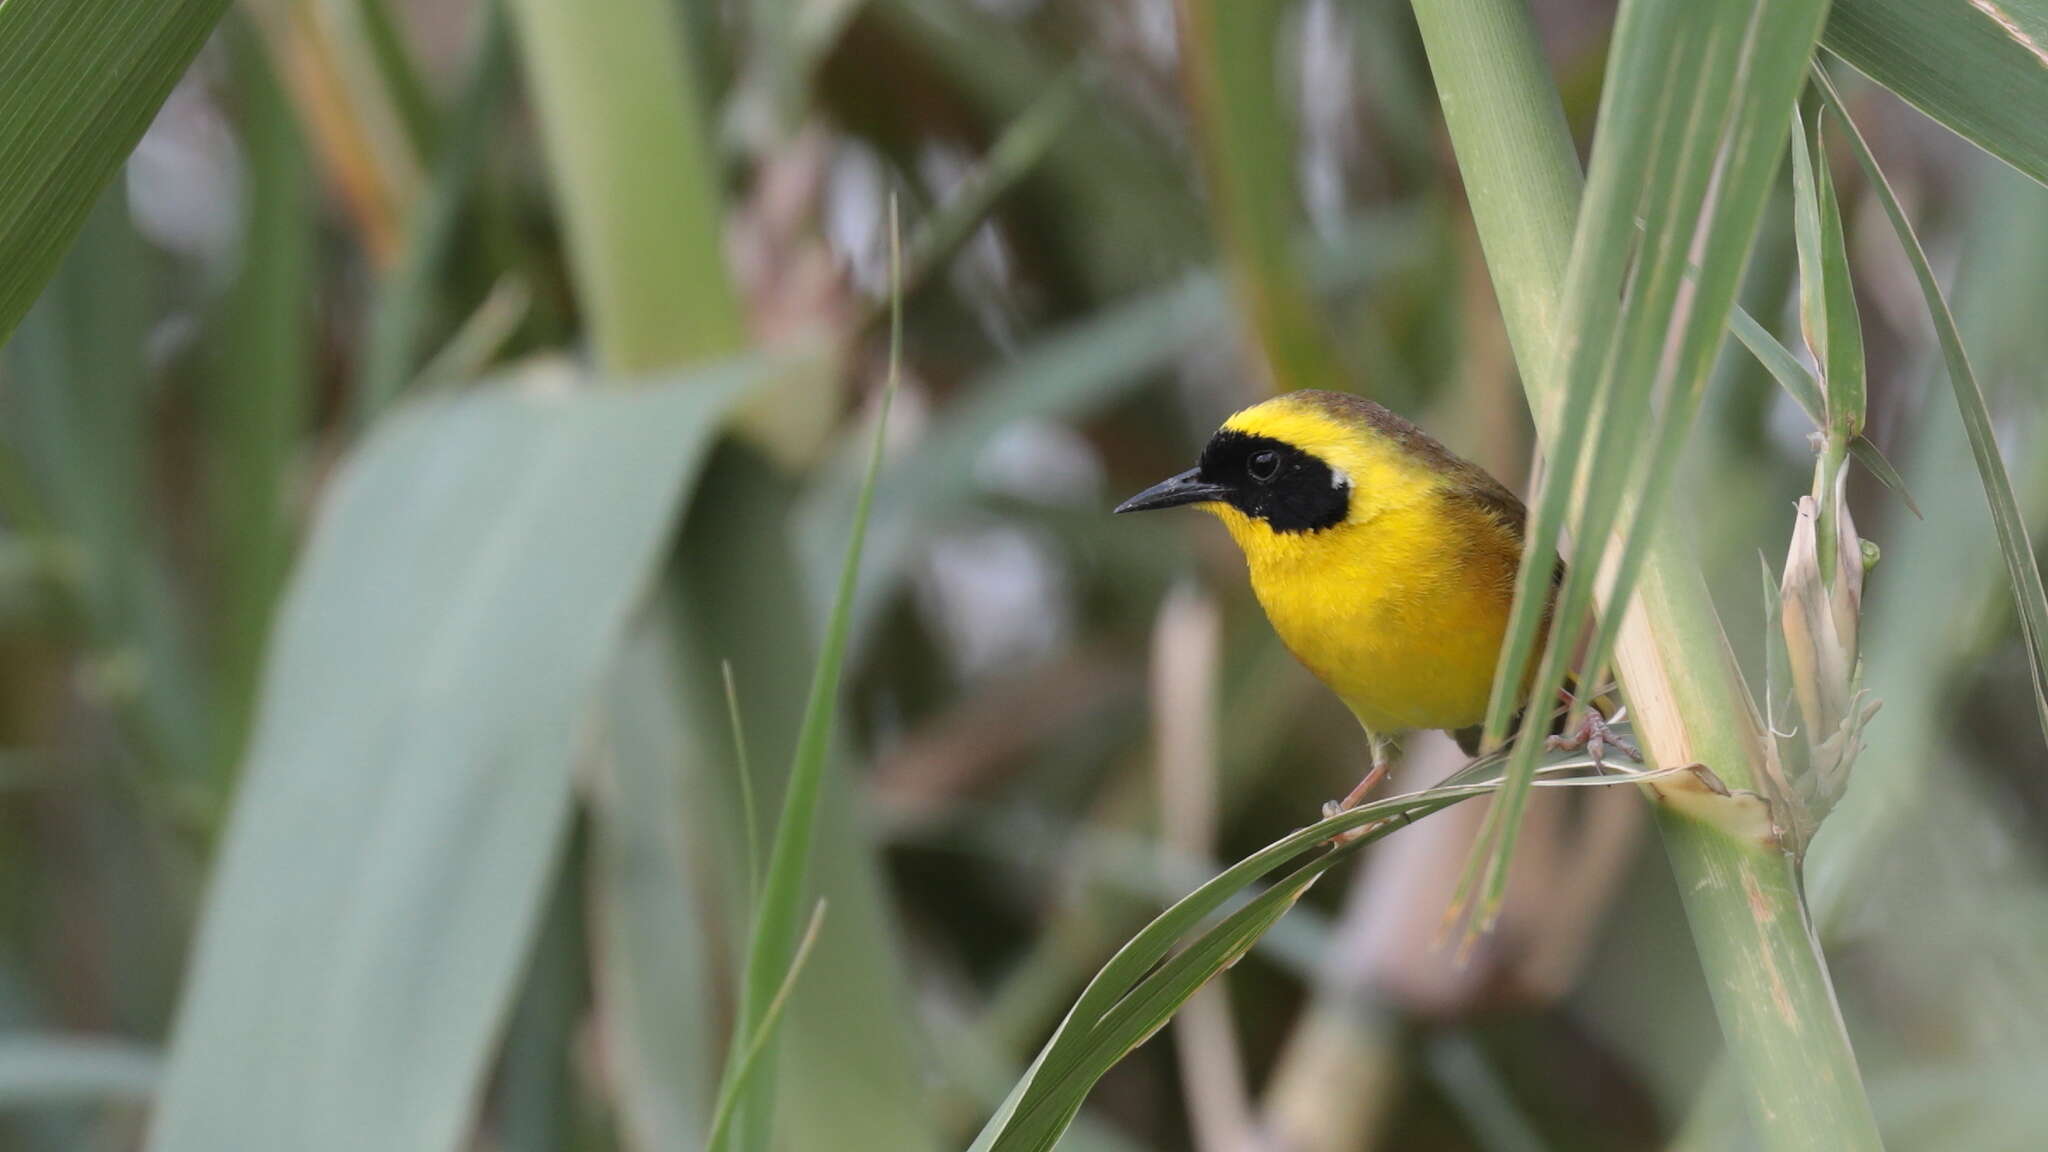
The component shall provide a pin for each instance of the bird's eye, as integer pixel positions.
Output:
(1263, 465)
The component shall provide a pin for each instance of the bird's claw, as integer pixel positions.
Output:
(1596, 735)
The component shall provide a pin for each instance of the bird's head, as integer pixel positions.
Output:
(1304, 464)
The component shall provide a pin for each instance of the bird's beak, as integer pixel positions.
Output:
(1186, 488)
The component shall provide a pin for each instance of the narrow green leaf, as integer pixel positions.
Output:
(770, 950)
(1872, 458)
(746, 774)
(83, 79)
(1773, 997)
(1671, 207)
(757, 1045)
(1844, 344)
(2030, 600)
(1799, 384)
(408, 785)
(1806, 233)
(254, 403)
(1783, 366)
(1980, 67)
(1137, 957)
(1039, 1121)
(1140, 988)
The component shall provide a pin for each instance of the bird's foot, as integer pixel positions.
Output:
(1356, 797)
(1596, 735)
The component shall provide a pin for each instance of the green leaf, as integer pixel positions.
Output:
(1020, 1116)
(1140, 988)
(758, 1044)
(1872, 458)
(1672, 204)
(1799, 384)
(409, 778)
(255, 401)
(772, 947)
(1806, 233)
(1980, 67)
(2030, 601)
(1844, 344)
(83, 79)
(1783, 366)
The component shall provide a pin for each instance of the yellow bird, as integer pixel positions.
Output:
(1386, 564)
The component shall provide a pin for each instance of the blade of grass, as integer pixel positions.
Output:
(83, 80)
(757, 1046)
(254, 404)
(1137, 991)
(1783, 366)
(746, 775)
(2030, 600)
(1872, 458)
(1979, 67)
(1799, 384)
(771, 945)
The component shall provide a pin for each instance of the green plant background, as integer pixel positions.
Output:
(415, 418)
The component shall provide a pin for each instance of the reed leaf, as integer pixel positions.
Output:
(2030, 601)
(772, 947)
(83, 80)
(408, 781)
(1980, 67)
(1645, 314)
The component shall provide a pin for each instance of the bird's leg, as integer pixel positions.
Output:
(1381, 761)
(1596, 735)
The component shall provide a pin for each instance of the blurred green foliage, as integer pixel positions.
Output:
(346, 610)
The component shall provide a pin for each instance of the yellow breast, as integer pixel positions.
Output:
(1401, 616)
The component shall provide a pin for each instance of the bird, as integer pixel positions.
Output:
(1385, 562)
